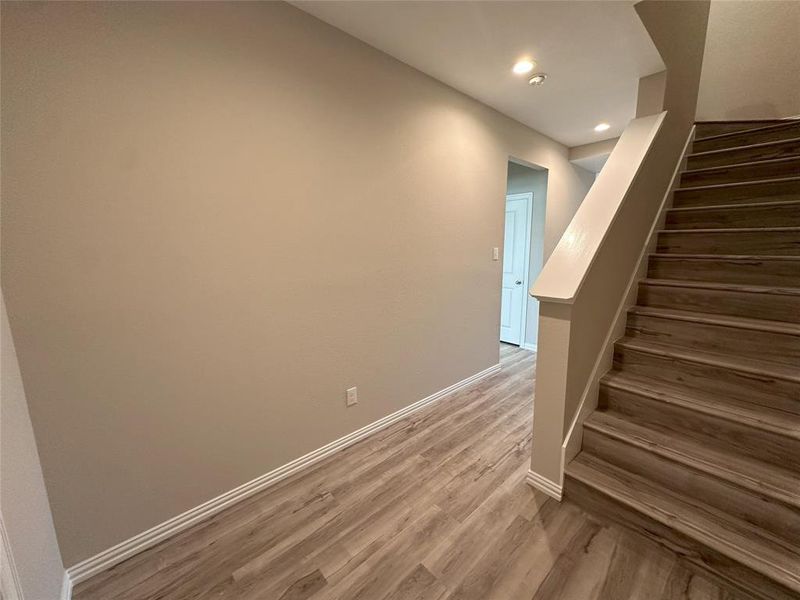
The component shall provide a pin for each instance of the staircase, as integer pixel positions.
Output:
(696, 439)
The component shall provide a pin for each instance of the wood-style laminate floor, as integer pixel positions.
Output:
(434, 507)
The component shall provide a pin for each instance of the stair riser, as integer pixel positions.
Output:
(767, 243)
(746, 154)
(787, 215)
(752, 192)
(772, 307)
(763, 390)
(780, 273)
(705, 129)
(775, 517)
(695, 553)
(746, 138)
(732, 174)
(765, 445)
(762, 345)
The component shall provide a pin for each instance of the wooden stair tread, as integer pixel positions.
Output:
(784, 124)
(730, 287)
(724, 534)
(746, 146)
(733, 230)
(714, 359)
(738, 206)
(782, 327)
(744, 413)
(740, 165)
(734, 184)
(753, 474)
(696, 440)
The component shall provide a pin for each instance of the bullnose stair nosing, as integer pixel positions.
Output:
(738, 206)
(787, 141)
(729, 287)
(733, 322)
(718, 538)
(755, 416)
(773, 126)
(731, 230)
(649, 439)
(752, 163)
(734, 184)
(712, 359)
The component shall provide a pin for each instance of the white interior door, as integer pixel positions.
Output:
(516, 248)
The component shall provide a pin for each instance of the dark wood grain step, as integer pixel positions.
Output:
(742, 154)
(766, 133)
(772, 341)
(758, 493)
(772, 482)
(744, 269)
(710, 540)
(751, 171)
(785, 213)
(771, 385)
(705, 129)
(767, 190)
(733, 425)
(751, 301)
(776, 241)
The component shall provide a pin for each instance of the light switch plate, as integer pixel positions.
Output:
(352, 396)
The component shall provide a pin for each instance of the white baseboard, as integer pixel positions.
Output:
(66, 587)
(543, 484)
(108, 558)
(10, 585)
(529, 346)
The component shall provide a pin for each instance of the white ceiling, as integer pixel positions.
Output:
(593, 51)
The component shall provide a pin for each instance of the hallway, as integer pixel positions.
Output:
(433, 507)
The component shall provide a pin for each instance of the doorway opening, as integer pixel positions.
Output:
(523, 252)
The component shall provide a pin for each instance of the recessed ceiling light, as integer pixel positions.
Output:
(523, 66)
(602, 127)
(537, 79)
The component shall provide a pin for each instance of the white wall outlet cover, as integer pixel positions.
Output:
(495, 253)
(352, 396)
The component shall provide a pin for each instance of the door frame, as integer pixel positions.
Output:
(528, 197)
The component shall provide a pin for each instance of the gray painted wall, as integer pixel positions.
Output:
(189, 299)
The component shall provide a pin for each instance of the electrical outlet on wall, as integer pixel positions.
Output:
(352, 396)
(495, 253)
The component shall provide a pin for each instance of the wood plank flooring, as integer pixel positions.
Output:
(434, 507)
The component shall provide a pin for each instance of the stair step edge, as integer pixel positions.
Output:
(734, 230)
(788, 123)
(738, 206)
(730, 287)
(647, 438)
(698, 528)
(712, 359)
(738, 184)
(746, 146)
(755, 417)
(752, 163)
(779, 327)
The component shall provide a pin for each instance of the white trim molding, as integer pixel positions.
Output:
(10, 585)
(113, 556)
(528, 346)
(66, 587)
(543, 484)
